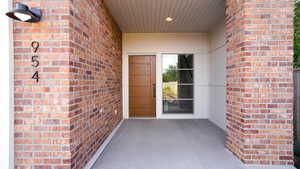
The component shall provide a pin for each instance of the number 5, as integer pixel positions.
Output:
(35, 62)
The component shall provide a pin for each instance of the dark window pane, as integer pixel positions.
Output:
(185, 76)
(185, 91)
(172, 90)
(185, 61)
(178, 106)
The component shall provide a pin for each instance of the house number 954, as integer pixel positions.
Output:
(34, 59)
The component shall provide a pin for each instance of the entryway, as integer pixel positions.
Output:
(226, 61)
(170, 144)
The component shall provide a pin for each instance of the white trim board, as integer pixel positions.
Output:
(101, 149)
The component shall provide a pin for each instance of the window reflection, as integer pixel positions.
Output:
(173, 91)
(178, 106)
(185, 61)
(178, 88)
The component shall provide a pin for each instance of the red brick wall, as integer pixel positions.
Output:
(58, 121)
(96, 78)
(259, 80)
(42, 123)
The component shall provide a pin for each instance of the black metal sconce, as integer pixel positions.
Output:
(25, 14)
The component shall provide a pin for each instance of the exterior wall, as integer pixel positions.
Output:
(62, 120)
(160, 43)
(95, 80)
(259, 81)
(217, 76)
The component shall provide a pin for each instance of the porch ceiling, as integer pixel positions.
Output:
(148, 16)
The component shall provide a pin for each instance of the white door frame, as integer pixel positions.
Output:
(6, 89)
(125, 88)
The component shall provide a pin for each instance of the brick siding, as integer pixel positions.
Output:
(61, 121)
(96, 78)
(259, 80)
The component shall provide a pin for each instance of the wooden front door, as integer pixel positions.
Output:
(142, 86)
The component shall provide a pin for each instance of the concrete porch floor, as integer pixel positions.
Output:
(170, 144)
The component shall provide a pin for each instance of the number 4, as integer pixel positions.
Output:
(36, 76)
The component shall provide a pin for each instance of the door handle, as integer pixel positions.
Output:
(154, 89)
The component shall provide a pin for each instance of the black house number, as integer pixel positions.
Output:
(34, 59)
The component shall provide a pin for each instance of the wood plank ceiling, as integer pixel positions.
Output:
(148, 16)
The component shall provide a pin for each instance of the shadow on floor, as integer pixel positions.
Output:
(170, 144)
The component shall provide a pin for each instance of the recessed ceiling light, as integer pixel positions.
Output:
(169, 19)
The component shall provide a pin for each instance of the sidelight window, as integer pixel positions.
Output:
(178, 83)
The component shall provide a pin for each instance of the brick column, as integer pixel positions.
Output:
(42, 125)
(61, 121)
(259, 80)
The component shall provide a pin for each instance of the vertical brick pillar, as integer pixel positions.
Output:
(42, 124)
(61, 121)
(259, 80)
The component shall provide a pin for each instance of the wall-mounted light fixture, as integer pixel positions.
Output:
(25, 14)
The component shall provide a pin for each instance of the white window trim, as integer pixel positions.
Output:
(6, 89)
